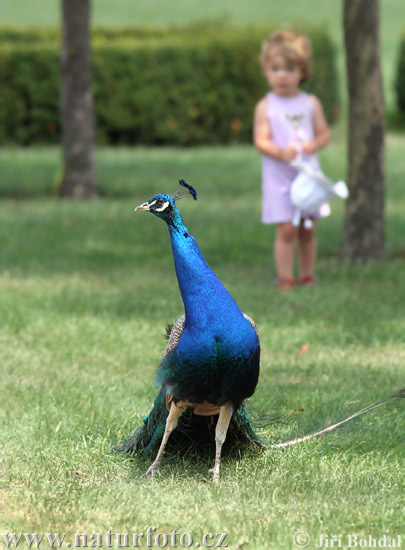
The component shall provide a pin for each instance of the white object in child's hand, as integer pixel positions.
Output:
(310, 190)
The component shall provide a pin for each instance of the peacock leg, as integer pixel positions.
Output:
(225, 413)
(171, 422)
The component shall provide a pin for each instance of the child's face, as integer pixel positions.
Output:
(284, 77)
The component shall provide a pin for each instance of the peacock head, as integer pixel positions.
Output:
(164, 206)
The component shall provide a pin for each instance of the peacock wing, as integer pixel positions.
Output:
(252, 323)
(173, 333)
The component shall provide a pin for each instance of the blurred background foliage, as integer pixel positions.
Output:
(191, 85)
(128, 37)
(182, 12)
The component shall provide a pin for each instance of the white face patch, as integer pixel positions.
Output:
(163, 207)
(152, 203)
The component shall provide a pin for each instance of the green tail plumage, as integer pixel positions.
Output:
(147, 437)
(192, 431)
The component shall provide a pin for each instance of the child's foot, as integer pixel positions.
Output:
(306, 280)
(284, 284)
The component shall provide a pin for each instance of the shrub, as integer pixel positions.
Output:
(187, 86)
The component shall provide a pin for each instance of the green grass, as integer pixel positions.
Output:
(86, 290)
(159, 12)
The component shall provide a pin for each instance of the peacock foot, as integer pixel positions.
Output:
(215, 471)
(152, 471)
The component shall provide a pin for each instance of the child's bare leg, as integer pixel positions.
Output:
(306, 251)
(286, 235)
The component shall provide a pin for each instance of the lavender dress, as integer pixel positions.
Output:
(291, 123)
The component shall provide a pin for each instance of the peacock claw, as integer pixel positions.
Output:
(215, 477)
(152, 472)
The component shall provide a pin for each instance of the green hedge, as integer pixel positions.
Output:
(187, 86)
(400, 77)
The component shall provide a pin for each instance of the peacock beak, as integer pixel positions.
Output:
(144, 206)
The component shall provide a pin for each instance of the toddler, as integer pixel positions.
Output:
(288, 123)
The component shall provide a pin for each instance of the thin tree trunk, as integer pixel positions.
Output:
(364, 223)
(79, 179)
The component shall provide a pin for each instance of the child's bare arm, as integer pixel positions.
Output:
(321, 130)
(262, 136)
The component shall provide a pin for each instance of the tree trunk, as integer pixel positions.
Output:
(364, 223)
(79, 179)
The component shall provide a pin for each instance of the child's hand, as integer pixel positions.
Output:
(309, 147)
(289, 153)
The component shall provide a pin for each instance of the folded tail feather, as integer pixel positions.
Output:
(148, 436)
(192, 431)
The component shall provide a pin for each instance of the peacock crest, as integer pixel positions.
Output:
(181, 194)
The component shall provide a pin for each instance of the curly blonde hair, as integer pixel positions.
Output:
(294, 47)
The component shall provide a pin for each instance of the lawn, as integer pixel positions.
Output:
(86, 290)
(159, 12)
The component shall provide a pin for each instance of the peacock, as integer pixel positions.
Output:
(212, 358)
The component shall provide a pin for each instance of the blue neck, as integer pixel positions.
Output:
(204, 296)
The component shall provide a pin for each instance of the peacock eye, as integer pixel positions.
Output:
(159, 203)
